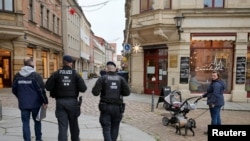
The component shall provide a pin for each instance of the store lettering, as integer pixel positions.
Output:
(212, 67)
(208, 69)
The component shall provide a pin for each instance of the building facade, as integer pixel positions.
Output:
(45, 30)
(71, 22)
(85, 31)
(181, 39)
(29, 28)
(99, 55)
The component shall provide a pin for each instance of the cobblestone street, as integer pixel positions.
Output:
(138, 113)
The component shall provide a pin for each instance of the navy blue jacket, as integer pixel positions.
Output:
(215, 92)
(28, 87)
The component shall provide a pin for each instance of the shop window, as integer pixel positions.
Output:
(207, 56)
(45, 64)
(55, 61)
(213, 3)
(29, 52)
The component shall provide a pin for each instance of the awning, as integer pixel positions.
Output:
(218, 38)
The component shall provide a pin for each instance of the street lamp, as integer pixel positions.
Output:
(178, 23)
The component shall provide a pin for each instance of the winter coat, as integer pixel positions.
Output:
(215, 92)
(28, 87)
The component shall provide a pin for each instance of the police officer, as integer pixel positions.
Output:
(112, 88)
(64, 85)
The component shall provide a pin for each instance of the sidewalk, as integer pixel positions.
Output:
(90, 130)
(10, 126)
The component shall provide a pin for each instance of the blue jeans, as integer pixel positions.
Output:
(25, 116)
(215, 115)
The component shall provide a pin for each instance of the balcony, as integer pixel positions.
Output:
(11, 25)
(153, 26)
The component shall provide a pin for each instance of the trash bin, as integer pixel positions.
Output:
(124, 74)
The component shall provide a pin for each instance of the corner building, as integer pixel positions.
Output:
(181, 39)
(29, 28)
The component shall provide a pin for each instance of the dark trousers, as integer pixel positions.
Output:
(110, 121)
(25, 116)
(66, 113)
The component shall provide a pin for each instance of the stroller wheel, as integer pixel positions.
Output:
(165, 121)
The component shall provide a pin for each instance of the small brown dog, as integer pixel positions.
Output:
(190, 124)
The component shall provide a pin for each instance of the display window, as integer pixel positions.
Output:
(208, 56)
(45, 64)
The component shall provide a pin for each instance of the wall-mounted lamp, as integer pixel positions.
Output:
(178, 23)
(136, 48)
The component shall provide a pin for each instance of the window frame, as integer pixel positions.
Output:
(42, 15)
(170, 5)
(3, 8)
(47, 18)
(147, 5)
(213, 4)
(213, 49)
(31, 10)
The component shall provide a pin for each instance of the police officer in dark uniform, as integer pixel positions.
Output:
(112, 88)
(64, 85)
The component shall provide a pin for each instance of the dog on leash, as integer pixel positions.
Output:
(190, 124)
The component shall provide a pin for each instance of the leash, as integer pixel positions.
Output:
(201, 114)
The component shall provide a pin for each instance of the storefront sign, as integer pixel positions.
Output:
(240, 70)
(184, 70)
(173, 61)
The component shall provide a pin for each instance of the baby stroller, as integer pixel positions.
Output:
(178, 109)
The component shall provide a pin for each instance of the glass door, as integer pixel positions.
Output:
(155, 70)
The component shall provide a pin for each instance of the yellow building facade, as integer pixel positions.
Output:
(180, 38)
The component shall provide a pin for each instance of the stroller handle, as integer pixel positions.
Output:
(193, 97)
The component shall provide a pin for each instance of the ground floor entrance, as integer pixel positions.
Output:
(155, 66)
(5, 68)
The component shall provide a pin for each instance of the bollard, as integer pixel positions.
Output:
(152, 105)
(1, 110)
